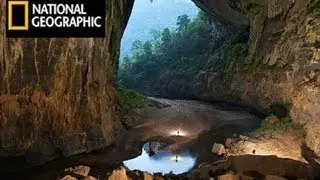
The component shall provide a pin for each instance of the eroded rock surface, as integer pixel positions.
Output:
(68, 177)
(281, 66)
(57, 96)
(224, 11)
(218, 149)
(286, 144)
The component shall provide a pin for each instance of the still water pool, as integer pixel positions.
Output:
(154, 160)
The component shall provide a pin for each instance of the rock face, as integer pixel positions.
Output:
(255, 167)
(119, 174)
(282, 144)
(122, 174)
(81, 170)
(224, 11)
(281, 65)
(218, 149)
(272, 119)
(312, 138)
(68, 177)
(229, 177)
(57, 96)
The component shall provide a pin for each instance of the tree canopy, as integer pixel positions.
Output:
(169, 61)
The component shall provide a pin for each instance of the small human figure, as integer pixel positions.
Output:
(176, 158)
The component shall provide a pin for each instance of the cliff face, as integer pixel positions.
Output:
(228, 11)
(282, 66)
(57, 96)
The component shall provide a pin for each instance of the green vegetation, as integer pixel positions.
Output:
(284, 124)
(167, 63)
(236, 54)
(130, 102)
(175, 60)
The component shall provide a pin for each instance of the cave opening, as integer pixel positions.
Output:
(198, 56)
(171, 49)
(168, 45)
(168, 50)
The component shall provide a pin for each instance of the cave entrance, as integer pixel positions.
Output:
(156, 46)
(167, 49)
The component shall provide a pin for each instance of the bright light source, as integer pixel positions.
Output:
(176, 158)
(178, 132)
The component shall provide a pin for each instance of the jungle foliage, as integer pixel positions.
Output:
(167, 65)
(171, 59)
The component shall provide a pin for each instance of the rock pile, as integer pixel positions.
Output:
(218, 149)
(78, 172)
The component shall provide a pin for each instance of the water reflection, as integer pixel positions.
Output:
(154, 160)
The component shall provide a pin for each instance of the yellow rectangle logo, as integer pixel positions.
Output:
(11, 5)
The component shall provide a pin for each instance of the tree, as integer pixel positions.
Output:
(137, 50)
(136, 46)
(183, 22)
(156, 35)
(147, 48)
(156, 41)
(166, 64)
(166, 39)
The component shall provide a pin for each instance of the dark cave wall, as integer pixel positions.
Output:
(57, 95)
(282, 65)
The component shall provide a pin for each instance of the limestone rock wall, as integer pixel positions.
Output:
(57, 95)
(284, 48)
(227, 11)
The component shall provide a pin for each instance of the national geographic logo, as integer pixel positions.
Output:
(18, 15)
(56, 18)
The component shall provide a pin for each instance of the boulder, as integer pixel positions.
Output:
(82, 170)
(158, 178)
(312, 136)
(272, 119)
(79, 170)
(271, 177)
(245, 138)
(90, 178)
(229, 142)
(68, 177)
(147, 176)
(218, 149)
(245, 177)
(229, 177)
(119, 174)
